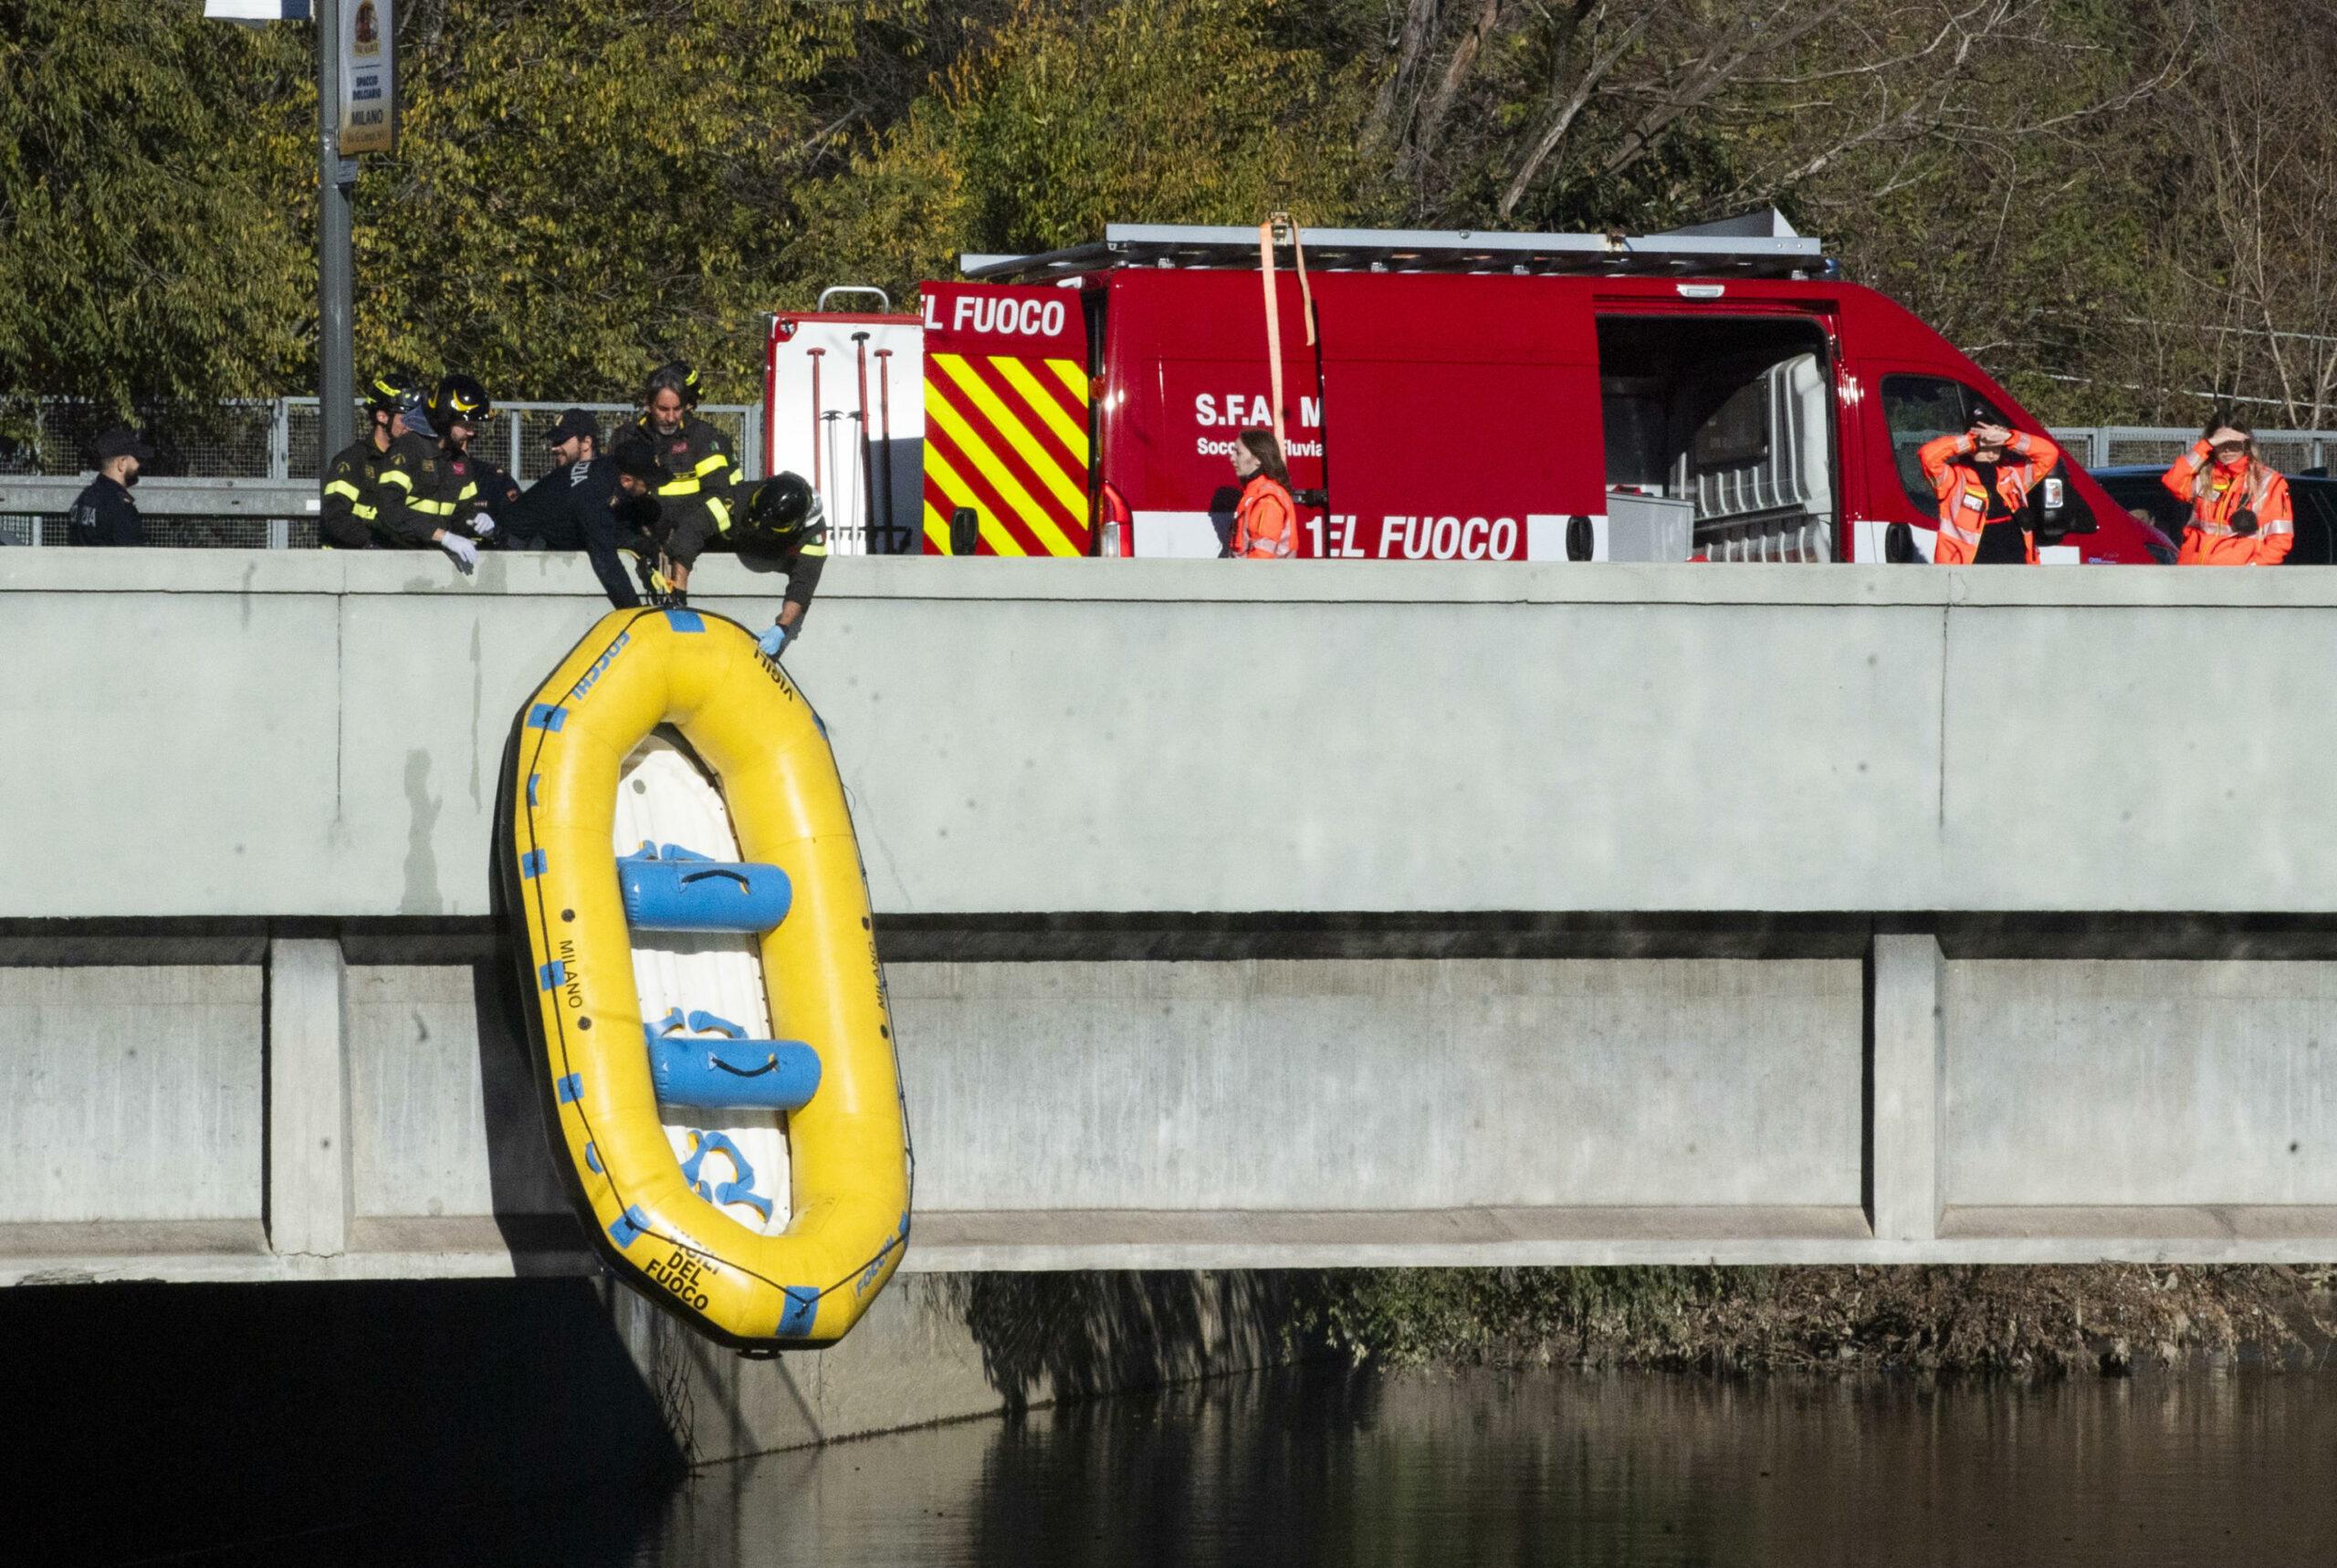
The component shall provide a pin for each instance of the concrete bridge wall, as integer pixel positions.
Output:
(1288, 917)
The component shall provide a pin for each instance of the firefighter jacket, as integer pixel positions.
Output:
(1966, 505)
(1265, 521)
(578, 506)
(104, 513)
(801, 547)
(2217, 495)
(696, 504)
(423, 488)
(348, 517)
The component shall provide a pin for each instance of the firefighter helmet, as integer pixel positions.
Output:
(781, 504)
(387, 394)
(681, 378)
(461, 399)
(413, 407)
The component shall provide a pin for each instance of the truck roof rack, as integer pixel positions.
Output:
(1754, 244)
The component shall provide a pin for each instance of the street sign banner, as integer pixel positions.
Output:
(368, 77)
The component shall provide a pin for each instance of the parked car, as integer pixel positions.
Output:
(2137, 487)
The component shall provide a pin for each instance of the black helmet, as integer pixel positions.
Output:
(680, 377)
(387, 394)
(461, 398)
(414, 409)
(780, 503)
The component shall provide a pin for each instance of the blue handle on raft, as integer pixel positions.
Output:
(729, 1073)
(676, 890)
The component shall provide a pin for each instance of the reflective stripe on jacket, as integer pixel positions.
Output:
(1265, 522)
(2217, 495)
(1964, 501)
(425, 488)
(350, 506)
(696, 502)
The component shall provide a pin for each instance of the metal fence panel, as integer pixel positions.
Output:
(279, 438)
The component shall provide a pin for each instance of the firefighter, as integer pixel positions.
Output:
(1265, 521)
(577, 506)
(1983, 479)
(694, 503)
(430, 494)
(781, 519)
(103, 514)
(346, 519)
(2240, 511)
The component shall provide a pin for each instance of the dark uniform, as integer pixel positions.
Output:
(424, 487)
(104, 515)
(578, 506)
(697, 504)
(800, 543)
(350, 517)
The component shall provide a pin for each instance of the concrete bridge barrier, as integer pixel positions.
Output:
(1330, 914)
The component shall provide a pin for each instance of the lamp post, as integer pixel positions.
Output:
(374, 103)
(336, 354)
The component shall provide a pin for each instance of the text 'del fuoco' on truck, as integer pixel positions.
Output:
(1717, 393)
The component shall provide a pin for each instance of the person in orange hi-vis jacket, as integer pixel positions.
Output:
(1983, 478)
(2240, 512)
(1265, 521)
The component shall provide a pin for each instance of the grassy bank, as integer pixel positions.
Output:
(1939, 1321)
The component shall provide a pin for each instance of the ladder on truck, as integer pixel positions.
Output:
(1755, 245)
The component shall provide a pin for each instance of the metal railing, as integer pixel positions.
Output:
(2111, 445)
(274, 439)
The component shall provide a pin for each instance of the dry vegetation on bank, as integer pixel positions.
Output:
(2036, 1322)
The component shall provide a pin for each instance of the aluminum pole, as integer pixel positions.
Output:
(336, 354)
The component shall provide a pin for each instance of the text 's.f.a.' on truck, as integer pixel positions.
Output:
(1719, 393)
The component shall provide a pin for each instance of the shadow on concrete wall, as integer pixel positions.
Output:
(1070, 1336)
(532, 1210)
(152, 1419)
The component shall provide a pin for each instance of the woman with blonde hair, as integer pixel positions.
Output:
(2240, 510)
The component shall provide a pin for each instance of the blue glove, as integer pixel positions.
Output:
(773, 641)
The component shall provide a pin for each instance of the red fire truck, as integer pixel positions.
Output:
(1716, 394)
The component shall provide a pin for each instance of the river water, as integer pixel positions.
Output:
(2234, 1470)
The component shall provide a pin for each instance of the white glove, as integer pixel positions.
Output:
(465, 552)
(483, 526)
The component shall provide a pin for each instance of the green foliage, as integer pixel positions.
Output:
(582, 191)
(152, 192)
(2063, 186)
(1076, 115)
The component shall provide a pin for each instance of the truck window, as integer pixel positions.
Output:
(1730, 421)
(1919, 408)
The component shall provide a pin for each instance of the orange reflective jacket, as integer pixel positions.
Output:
(1965, 505)
(2216, 494)
(1265, 521)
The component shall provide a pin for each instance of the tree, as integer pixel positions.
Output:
(156, 203)
(581, 193)
(1074, 115)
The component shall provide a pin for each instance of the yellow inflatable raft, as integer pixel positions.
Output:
(706, 1011)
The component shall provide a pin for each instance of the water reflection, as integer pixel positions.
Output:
(1555, 1467)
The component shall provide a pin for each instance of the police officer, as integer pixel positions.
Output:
(781, 519)
(578, 505)
(347, 519)
(696, 502)
(430, 492)
(104, 513)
